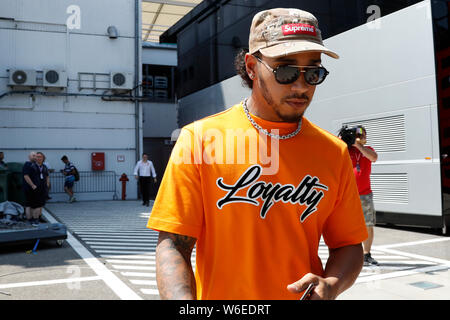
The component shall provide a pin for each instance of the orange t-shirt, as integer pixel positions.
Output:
(257, 213)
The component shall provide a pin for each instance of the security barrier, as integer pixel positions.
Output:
(90, 182)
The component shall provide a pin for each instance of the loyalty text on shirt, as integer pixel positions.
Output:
(308, 192)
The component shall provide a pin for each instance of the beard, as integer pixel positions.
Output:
(285, 117)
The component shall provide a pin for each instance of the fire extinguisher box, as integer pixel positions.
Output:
(98, 161)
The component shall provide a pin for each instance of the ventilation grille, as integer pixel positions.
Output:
(119, 79)
(390, 187)
(19, 77)
(385, 134)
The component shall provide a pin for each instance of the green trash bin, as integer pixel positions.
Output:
(3, 185)
(15, 180)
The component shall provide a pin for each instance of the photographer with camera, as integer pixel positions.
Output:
(362, 157)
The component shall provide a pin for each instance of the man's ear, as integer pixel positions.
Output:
(250, 65)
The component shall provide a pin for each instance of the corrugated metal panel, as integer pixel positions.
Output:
(390, 187)
(386, 134)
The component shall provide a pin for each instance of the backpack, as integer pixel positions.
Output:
(76, 174)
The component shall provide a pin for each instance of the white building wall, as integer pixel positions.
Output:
(55, 34)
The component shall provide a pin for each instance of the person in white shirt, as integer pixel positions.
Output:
(143, 172)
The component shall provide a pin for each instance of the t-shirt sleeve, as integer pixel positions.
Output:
(345, 225)
(178, 206)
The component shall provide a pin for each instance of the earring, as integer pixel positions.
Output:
(251, 76)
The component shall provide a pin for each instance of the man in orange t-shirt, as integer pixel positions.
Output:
(257, 186)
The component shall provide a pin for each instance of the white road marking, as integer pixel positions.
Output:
(154, 292)
(110, 237)
(123, 252)
(122, 243)
(401, 273)
(144, 282)
(417, 256)
(119, 288)
(133, 256)
(139, 274)
(144, 248)
(412, 243)
(134, 268)
(132, 262)
(111, 232)
(48, 282)
(396, 263)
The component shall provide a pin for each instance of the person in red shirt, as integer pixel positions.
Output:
(362, 157)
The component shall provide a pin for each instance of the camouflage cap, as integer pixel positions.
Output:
(281, 32)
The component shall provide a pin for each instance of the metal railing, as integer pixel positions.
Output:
(90, 182)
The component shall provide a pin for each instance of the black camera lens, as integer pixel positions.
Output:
(348, 135)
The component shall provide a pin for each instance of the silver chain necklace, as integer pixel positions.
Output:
(272, 135)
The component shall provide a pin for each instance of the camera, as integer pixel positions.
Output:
(349, 135)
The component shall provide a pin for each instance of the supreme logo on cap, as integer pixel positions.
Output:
(298, 28)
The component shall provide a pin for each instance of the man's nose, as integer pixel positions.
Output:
(300, 85)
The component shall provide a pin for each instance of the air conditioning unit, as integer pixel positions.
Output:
(161, 82)
(22, 78)
(147, 81)
(161, 94)
(147, 93)
(54, 78)
(121, 81)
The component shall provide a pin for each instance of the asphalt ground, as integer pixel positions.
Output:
(53, 272)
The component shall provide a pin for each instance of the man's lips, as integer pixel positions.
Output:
(297, 102)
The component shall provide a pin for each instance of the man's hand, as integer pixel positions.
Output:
(358, 144)
(323, 288)
(343, 267)
(368, 153)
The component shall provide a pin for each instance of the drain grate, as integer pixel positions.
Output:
(425, 285)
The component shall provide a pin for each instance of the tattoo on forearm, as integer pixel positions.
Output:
(174, 273)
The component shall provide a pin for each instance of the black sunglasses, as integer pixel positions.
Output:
(287, 74)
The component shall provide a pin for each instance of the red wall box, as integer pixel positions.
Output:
(98, 161)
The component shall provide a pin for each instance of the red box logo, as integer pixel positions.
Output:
(298, 28)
